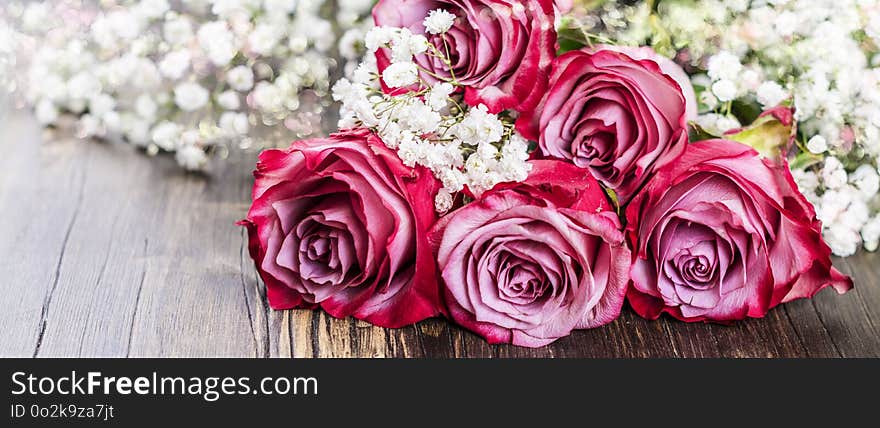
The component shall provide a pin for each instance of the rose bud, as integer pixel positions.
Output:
(500, 50)
(724, 234)
(529, 262)
(620, 117)
(341, 223)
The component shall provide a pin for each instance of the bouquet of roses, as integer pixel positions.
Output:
(483, 176)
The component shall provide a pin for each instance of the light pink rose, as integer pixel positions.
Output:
(620, 117)
(341, 223)
(529, 262)
(723, 234)
(500, 49)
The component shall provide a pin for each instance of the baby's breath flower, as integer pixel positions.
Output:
(400, 74)
(438, 21)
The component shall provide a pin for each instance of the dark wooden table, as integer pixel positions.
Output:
(105, 252)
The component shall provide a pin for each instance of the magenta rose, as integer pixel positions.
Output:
(618, 116)
(500, 50)
(341, 223)
(529, 262)
(723, 234)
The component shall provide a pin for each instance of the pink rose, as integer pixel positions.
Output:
(341, 223)
(723, 234)
(620, 117)
(500, 50)
(529, 262)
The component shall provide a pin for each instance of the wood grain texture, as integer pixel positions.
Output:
(106, 252)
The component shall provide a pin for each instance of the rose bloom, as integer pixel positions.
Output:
(529, 262)
(723, 234)
(500, 50)
(341, 223)
(619, 116)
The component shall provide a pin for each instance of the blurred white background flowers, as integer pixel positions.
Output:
(194, 77)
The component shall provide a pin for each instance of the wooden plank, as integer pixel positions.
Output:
(38, 219)
(848, 319)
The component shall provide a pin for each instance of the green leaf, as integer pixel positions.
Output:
(767, 135)
(698, 133)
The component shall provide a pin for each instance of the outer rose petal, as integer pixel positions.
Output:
(670, 68)
(404, 289)
(799, 263)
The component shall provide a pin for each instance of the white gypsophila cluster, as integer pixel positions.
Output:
(820, 56)
(353, 18)
(189, 76)
(429, 125)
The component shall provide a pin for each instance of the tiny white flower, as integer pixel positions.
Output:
(401, 46)
(218, 42)
(350, 44)
(391, 134)
(378, 37)
(871, 233)
(175, 64)
(268, 97)
(137, 131)
(112, 121)
(178, 31)
(771, 94)
(190, 96)
(443, 201)
(708, 100)
(226, 8)
(279, 6)
(817, 144)
(807, 181)
(438, 97)
(83, 85)
(297, 44)
(365, 74)
(240, 78)
(842, 240)
(229, 100)
(153, 9)
(191, 157)
(418, 117)
(725, 90)
(717, 124)
(145, 107)
(438, 21)
(89, 126)
(786, 23)
(234, 124)
(46, 112)
(724, 65)
(166, 135)
(100, 104)
(865, 179)
(400, 74)
(418, 44)
(264, 38)
(833, 174)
